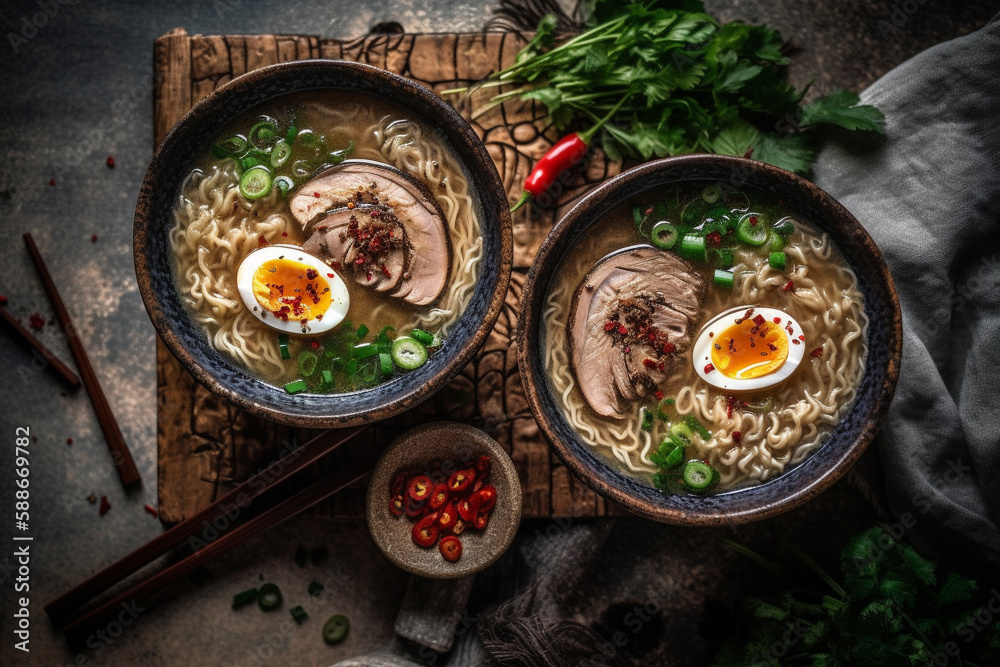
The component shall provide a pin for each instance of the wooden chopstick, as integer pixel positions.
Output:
(315, 493)
(127, 471)
(62, 608)
(53, 362)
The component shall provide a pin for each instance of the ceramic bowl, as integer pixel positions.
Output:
(185, 338)
(450, 443)
(852, 433)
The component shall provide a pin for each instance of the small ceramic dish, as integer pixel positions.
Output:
(412, 453)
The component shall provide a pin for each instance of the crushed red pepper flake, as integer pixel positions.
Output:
(69, 441)
(52, 182)
(151, 510)
(3, 300)
(93, 238)
(818, 352)
(105, 506)
(737, 436)
(709, 368)
(36, 321)
(788, 287)
(110, 162)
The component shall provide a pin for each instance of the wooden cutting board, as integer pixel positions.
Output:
(205, 444)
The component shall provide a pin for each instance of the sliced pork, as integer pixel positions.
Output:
(380, 225)
(630, 318)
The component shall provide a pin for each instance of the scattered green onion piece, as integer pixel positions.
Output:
(255, 182)
(723, 279)
(336, 157)
(269, 597)
(385, 363)
(315, 588)
(365, 350)
(284, 184)
(752, 234)
(283, 346)
(263, 134)
(351, 367)
(711, 194)
(764, 406)
(723, 257)
(292, 132)
(369, 371)
(383, 341)
(281, 153)
(682, 431)
(694, 247)
(426, 338)
(777, 260)
(302, 169)
(307, 363)
(296, 387)
(698, 475)
(697, 427)
(234, 147)
(675, 456)
(326, 380)
(777, 242)
(647, 418)
(784, 227)
(661, 409)
(245, 597)
(361, 332)
(408, 353)
(301, 556)
(299, 614)
(664, 235)
(637, 216)
(248, 162)
(335, 629)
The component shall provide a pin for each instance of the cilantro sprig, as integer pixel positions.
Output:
(891, 608)
(689, 84)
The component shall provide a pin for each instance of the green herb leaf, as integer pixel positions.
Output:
(841, 108)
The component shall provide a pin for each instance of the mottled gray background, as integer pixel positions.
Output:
(92, 61)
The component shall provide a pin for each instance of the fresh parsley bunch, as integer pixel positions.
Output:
(686, 84)
(892, 608)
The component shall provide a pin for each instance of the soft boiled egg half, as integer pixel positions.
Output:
(291, 290)
(748, 348)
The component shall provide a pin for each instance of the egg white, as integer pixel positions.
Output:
(340, 300)
(701, 353)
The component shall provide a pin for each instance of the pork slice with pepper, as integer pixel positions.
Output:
(630, 319)
(381, 225)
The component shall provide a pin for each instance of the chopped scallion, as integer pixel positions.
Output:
(296, 387)
(723, 279)
(425, 337)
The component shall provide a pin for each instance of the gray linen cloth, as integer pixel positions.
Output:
(929, 194)
(930, 197)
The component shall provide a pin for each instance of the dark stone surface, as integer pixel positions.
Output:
(91, 62)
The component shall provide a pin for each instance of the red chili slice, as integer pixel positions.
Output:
(414, 508)
(398, 483)
(469, 507)
(420, 487)
(487, 498)
(439, 496)
(396, 505)
(451, 548)
(479, 483)
(447, 516)
(458, 527)
(481, 520)
(425, 533)
(483, 465)
(460, 480)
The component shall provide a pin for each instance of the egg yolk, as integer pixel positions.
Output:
(750, 349)
(291, 290)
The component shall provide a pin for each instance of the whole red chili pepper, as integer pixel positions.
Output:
(564, 154)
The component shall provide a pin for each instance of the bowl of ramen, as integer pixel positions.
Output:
(323, 243)
(709, 340)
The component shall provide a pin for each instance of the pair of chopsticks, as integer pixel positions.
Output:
(127, 471)
(260, 503)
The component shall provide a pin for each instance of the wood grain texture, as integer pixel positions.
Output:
(205, 444)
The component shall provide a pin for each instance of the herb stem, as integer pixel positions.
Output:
(757, 558)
